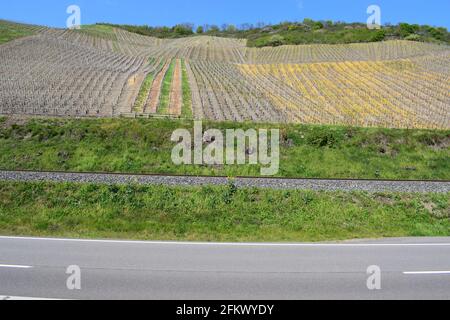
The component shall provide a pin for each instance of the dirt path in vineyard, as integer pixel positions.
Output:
(155, 92)
(176, 93)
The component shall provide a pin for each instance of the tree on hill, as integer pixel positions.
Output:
(306, 32)
(183, 29)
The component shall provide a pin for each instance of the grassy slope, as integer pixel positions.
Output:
(215, 213)
(10, 32)
(186, 110)
(99, 31)
(163, 107)
(143, 145)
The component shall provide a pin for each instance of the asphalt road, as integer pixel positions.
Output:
(410, 269)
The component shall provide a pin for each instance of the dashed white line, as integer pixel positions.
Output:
(14, 266)
(5, 298)
(425, 272)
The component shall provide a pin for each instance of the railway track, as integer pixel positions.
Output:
(414, 186)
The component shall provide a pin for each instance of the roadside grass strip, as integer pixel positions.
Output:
(215, 213)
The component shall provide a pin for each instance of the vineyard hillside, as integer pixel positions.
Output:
(104, 71)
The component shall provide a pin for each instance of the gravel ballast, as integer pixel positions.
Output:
(272, 183)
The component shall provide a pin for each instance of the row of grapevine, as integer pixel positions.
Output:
(139, 85)
(376, 51)
(221, 93)
(195, 48)
(235, 51)
(44, 75)
(161, 91)
(392, 94)
(197, 109)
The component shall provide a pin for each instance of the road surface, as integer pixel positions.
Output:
(416, 268)
(258, 182)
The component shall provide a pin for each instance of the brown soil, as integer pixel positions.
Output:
(176, 93)
(155, 92)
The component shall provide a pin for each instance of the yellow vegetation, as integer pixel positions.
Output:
(369, 93)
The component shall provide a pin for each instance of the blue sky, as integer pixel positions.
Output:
(170, 12)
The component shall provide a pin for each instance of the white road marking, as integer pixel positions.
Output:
(14, 266)
(5, 298)
(425, 272)
(238, 244)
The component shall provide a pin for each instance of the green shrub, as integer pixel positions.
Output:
(229, 192)
(406, 29)
(323, 139)
(413, 37)
(380, 35)
(275, 41)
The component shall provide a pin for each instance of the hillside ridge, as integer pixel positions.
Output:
(103, 71)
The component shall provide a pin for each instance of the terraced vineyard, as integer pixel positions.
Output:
(390, 93)
(225, 94)
(102, 71)
(376, 51)
(46, 76)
